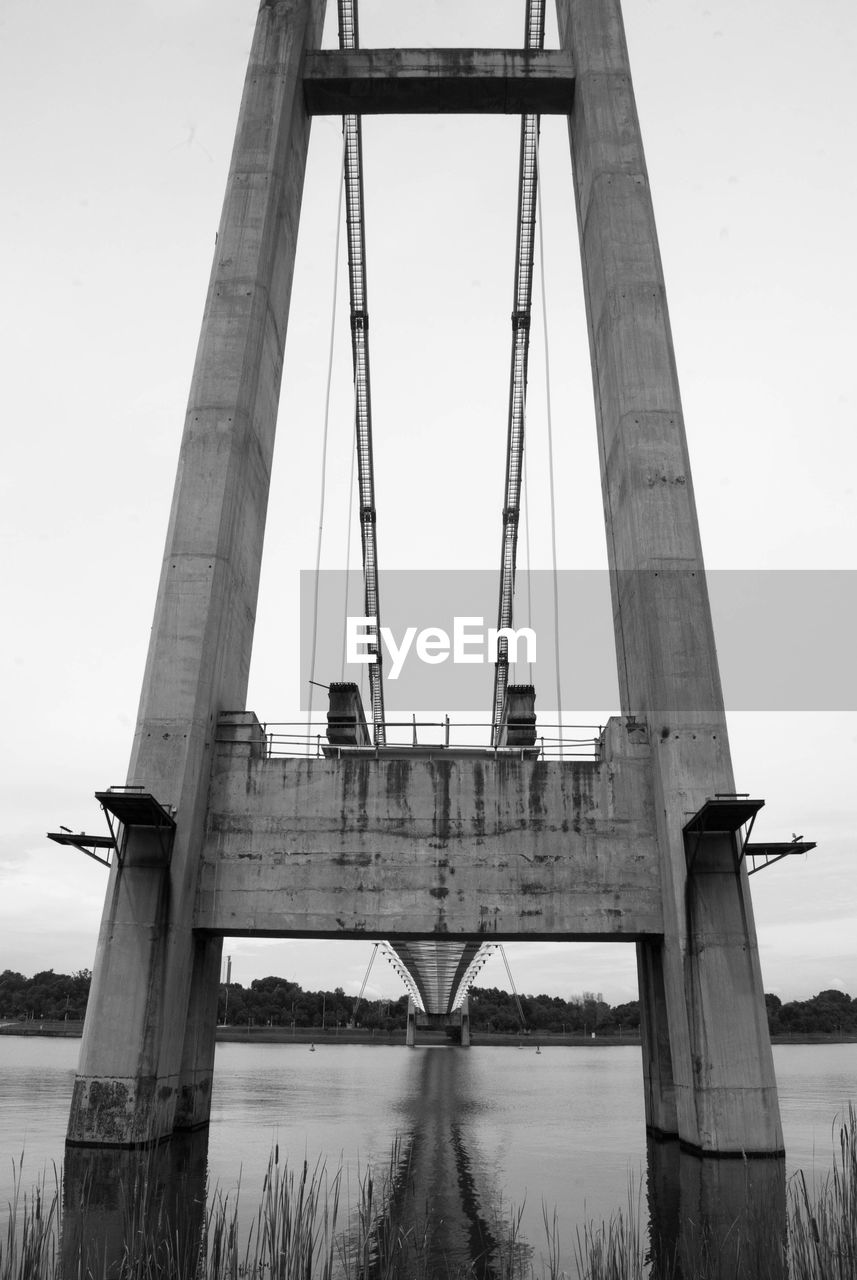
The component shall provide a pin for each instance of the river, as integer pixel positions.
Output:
(486, 1128)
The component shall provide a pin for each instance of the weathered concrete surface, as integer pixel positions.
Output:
(144, 1054)
(409, 81)
(495, 848)
(709, 1071)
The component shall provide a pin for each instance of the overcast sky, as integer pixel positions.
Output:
(118, 124)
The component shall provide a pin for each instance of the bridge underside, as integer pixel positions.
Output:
(439, 973)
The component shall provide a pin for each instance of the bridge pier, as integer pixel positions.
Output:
(459, 1018)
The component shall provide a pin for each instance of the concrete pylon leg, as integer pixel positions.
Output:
(194, 1102)
(465, 1023)
(702, 987)
(658, 1084)
(411, 1033)
(145, 1060)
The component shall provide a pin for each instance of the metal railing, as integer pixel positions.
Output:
(553, 741)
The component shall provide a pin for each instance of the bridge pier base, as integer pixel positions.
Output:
(411, 1033)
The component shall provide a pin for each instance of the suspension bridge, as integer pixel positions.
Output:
(632, 831)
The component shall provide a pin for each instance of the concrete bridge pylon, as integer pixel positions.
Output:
(643, 845)
(457, 1023)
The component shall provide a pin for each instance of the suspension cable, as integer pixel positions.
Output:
(324, 445)
(512, 985)
(356, 235)
(527, 550)
(534, 37)
(550, 452)
(348, 557)
(365, 980)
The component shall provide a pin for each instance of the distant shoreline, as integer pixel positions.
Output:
(332, 1037)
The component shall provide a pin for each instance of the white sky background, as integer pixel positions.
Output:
(118, 124)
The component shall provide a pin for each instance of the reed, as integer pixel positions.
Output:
(613, 1250)
(823, 1227)
(302, 1231)
(31, 1247)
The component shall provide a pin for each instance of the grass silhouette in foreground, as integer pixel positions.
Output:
(302, 1230)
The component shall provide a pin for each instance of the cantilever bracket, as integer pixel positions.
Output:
(724, 815)
(774, 851)
(85, 843)
(134, 807)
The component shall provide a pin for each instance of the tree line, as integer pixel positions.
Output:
(45, 995)
(279, 1002)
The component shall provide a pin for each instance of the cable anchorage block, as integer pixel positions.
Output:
(520, 320)
(359, 321)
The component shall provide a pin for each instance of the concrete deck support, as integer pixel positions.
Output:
(465, 1023)
(458, 1020)
(709, 1070)
(147, 1052)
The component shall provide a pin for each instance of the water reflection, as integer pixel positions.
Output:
(443, 1198)
(715, 1217)
(466, 1227)
(113, 1198)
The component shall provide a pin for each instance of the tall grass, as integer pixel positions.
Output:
(303, 1229)
(31, 1247)
(819, 1241)
(615, 1250)
(823, 1228)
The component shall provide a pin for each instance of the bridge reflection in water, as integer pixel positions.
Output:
(707, 1217)
(445, 1183)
